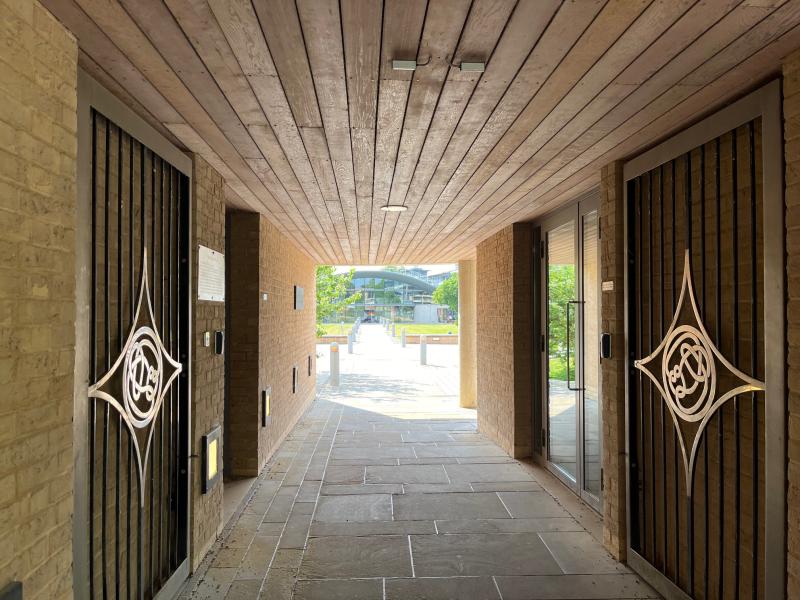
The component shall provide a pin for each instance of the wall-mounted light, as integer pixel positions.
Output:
(394, 208)
(211, 459)
(404, 65)
(472, 67)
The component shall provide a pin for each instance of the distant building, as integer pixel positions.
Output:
(404, 295)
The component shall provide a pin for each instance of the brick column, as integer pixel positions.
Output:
(612, 370)
(243, 342)
(467, 334)
(208, 368)
(504, 267)
(38, 204)
(791, 134)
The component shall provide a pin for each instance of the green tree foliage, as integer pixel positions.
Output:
(447, 293)
(560, 290)
(332, 293)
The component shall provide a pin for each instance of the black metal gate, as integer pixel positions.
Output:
(696, 402)
(138, 395)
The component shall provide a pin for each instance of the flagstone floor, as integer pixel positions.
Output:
(360, 504)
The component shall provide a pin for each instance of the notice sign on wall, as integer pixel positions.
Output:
(210, 275)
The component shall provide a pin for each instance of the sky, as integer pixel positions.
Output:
(432, 269)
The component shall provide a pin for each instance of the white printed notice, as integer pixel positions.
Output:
(210, 275)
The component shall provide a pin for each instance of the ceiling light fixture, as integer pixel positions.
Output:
(472, 67)
(394, 208)
(404, 65)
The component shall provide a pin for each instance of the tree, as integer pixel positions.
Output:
(332, 293)
(447, 293)
(560, 290)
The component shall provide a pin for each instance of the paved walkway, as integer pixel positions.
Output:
(371, 497)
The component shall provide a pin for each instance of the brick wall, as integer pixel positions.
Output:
(612, 370)
(287, 336)
(243, 347)
(38, 103)
(467, 334)
(208, 368)
(504, 338)
(267, 338)
(791, 114)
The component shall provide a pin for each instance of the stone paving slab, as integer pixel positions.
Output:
(396, 496)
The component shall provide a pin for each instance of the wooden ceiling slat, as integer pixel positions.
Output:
(241, 28)
(561, 32)
(361, 32)
(669, 91)
(444, 23)
(281, 26)
(99, 22)
(295, 102)
(761, 65)
(604, 31)
(465, 105)
(322, 31)
(400, 40)
(202, 29)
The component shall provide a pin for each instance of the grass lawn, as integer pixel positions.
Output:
(427, 328)
(336, 328)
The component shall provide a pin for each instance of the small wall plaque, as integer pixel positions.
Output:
(210, 275)
(608, 286)
(298, 297)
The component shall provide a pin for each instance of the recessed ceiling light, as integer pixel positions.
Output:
(394, 208)
(473, 67)
(404, 65)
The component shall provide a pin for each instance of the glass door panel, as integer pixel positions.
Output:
(561, 327)
(590, 361)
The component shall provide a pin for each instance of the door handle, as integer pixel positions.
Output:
(569, 381)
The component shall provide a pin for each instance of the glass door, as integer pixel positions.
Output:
(571, 361)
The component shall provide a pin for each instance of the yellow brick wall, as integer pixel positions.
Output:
(208, 368)
(267, 338)
(287, 336)
(38, 99)
(504, 338)
(791, 133)
(612, 381)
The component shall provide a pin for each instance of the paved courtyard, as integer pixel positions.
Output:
(385, 490)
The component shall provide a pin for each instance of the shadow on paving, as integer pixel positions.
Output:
(360, 504)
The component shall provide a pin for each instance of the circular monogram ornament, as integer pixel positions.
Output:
(688, 373)
(142, 377)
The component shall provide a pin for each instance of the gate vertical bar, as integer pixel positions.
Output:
(735, 254)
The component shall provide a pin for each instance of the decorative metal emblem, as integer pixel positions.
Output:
(142, 374)
(692, 375)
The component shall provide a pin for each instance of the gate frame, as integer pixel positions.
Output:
(92, 95)
(765, 102)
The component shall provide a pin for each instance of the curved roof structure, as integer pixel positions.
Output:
(394, 276)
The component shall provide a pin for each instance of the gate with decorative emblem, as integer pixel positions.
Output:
(704, 306)
(132, 479)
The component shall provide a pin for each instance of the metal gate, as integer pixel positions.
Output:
(698, 426)
(138, 436)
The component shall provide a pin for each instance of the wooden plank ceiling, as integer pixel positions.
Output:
(296, 104)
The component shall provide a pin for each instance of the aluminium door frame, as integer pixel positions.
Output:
(92, 95)
(765, 102)
(575, 211)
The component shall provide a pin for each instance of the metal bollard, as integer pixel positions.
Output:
(423, 350)
(334, 379)
(403, 338)
(350, 343)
